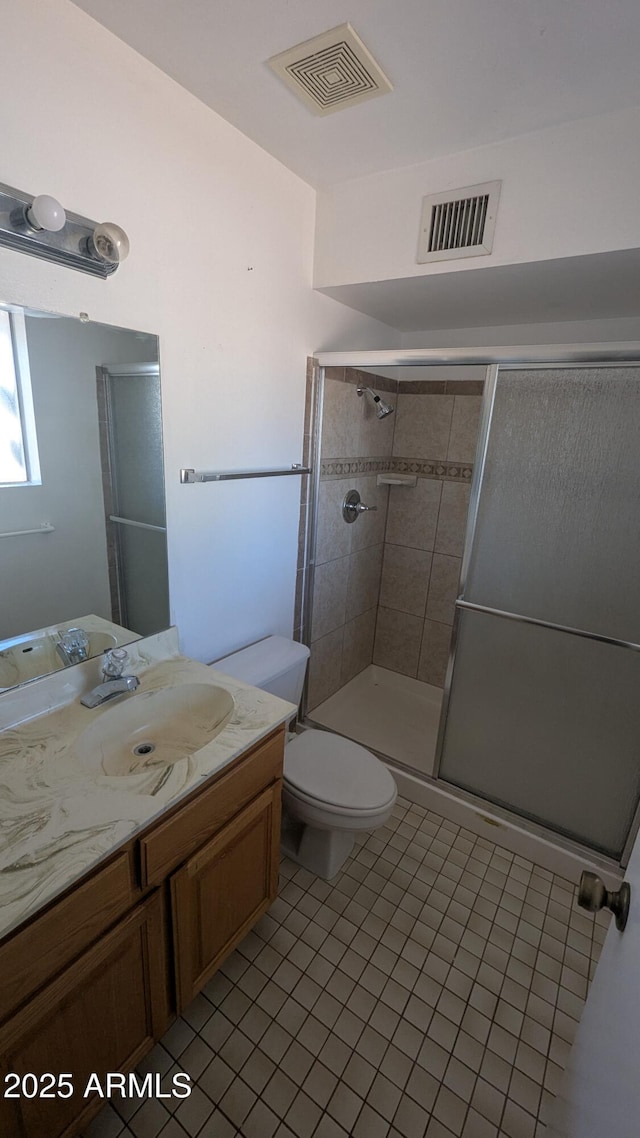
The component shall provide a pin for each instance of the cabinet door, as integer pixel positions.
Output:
(220, 893)
(101, 1014)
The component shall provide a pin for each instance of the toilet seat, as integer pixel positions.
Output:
(333, 809)
(330, 772)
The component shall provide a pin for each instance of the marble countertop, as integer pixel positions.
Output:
(60, 814)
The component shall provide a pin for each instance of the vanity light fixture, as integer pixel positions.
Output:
(41, 227)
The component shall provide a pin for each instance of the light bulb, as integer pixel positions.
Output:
(46, 213)
(110, 242)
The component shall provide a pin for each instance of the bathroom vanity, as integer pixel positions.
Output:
(93, 977)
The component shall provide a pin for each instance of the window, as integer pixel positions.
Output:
(19, 464)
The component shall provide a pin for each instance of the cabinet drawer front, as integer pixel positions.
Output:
(34, 955)
(101, 1014)
(171, 842)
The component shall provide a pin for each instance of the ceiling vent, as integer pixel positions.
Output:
(458, 223)
(331, 71)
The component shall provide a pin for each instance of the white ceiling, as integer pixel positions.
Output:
(465, 72)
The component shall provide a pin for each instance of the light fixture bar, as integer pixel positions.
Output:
(72, 245)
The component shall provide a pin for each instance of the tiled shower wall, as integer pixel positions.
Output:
(354, 445)
(436, 429)
(385, 586)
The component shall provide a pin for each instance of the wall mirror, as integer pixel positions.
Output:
(82, 515)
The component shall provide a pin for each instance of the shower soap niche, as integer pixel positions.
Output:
(396, 480)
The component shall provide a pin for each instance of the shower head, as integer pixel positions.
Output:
(382, 409)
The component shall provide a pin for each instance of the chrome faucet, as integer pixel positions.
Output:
(114, 682)
(72, 645)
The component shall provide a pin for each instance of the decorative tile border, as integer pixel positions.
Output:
(339, 467)
(433, 468)
(422, 467)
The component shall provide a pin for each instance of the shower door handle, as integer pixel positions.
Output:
(352, 507)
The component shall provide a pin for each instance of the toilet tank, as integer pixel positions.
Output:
(276, 665)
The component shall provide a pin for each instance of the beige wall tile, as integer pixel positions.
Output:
(423, 423)
(405, 579)
(397, 642)
(464, 428)
(340, 420)
(452, 520)
(412, 515)
(434, 653)
(375, 435)
(365, 570)
(325, 668)
(443, 588)
(357, 649)
(333, 534)
(329, 597)
(350, 426)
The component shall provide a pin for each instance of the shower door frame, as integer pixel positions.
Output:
(513, 357)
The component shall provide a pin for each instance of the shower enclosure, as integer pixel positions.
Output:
(481, 628)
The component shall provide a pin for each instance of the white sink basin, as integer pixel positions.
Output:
(152, 730)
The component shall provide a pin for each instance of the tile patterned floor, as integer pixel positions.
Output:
(431, 991)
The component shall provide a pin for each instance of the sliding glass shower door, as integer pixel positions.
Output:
(544, 704)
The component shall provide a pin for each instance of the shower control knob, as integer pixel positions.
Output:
(352, 507)
(593, 896)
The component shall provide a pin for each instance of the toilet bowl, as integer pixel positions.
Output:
(332, 787)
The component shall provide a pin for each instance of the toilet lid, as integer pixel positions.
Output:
(337, 771)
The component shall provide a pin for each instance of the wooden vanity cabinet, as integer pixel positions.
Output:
(102, 1014)
(93, 982)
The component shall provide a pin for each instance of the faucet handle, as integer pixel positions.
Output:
(74, 641)
(114, 663)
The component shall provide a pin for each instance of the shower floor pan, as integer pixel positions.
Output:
(392, 714)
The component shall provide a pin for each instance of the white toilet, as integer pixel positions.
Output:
(332, 786)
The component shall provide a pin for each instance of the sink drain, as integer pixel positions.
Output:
(144, 749)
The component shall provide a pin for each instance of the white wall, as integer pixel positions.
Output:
(566, 191)
(220, 268)
(63, 575)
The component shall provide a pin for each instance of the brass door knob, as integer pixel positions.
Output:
(593, 896)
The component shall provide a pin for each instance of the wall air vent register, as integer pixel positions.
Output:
(458, 223)
(331, 71)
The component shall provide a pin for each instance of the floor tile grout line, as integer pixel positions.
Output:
(395, 894)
